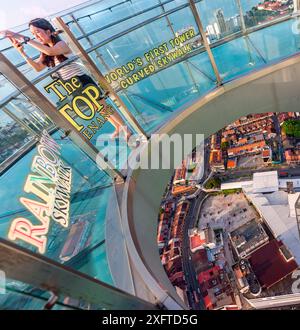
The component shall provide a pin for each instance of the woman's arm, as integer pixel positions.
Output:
(36, 65)
(60, 48)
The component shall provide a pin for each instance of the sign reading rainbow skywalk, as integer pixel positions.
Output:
(50, 182)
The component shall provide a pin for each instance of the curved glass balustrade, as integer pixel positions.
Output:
(118, 36)
(84, 236)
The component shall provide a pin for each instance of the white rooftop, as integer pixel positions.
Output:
(292, 202)
(265, 182)
(277, 216)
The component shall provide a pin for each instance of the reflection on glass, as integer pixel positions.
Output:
(157, 98)
(219, 18)
(258, 12)
(259, 48)
(13, 138)
(74, 232)
(140, 67)
(29, 114)
(277, 41)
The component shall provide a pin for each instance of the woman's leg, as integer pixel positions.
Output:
(115, 119)
(116, 125)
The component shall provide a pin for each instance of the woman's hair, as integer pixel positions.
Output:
(43, 24)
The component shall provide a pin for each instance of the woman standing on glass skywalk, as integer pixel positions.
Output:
(54, 51)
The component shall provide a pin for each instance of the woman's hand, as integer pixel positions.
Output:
(7, 33)
(10, 34)
(17, 45)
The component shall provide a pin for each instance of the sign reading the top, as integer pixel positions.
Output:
(87, 111)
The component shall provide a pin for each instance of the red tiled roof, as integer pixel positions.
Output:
(292, 155)
(242, 141)
(269, 265)
(247, 147)
(176, 190)
(180, 172)
(200, 256)
(215, 156)
(196, 241)
(228, 132)
(208, 274)
(207, 302)
(266, 153)
(231, 163)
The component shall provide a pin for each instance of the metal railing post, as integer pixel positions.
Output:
(167, 19)
(37, 98)
(91, 66)
(297, 210)
(79, 27)
(296, 5)
(205, 42)
(243, 25)
(170, 25)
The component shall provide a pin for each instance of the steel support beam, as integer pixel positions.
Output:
(88, 39)
(205, 42)
(296, 5)
(241, 13)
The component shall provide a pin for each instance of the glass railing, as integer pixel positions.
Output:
(127, 59)
(79, 239)
(121, 38)
(13, 138)
(154, 56)
(258, 49)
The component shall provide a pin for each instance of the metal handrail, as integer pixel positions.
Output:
(215, 44)
(137, 26)
(99, 11)
(104, 27)
(123, 19)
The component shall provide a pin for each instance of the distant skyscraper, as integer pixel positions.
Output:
(213, 31)
(230, 25)
(221, 20)
(237, 20)
(216, 27)
(233, 24)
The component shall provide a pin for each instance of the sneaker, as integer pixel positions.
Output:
(65, 135)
